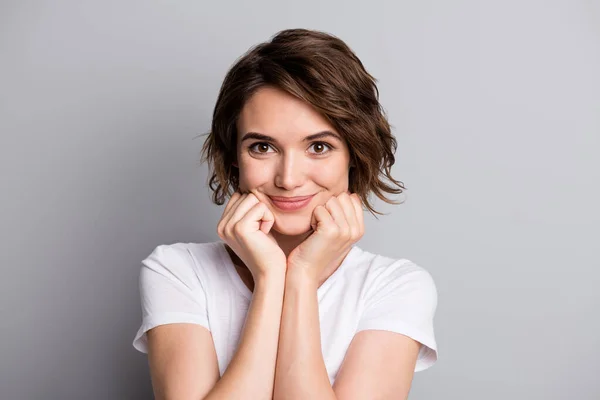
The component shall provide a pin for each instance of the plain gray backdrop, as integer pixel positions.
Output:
(496, 108)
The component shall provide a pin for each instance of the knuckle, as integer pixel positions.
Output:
(332, 232)
(346, 234)
(238, 229)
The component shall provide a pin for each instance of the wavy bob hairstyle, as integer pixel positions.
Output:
(323, 71)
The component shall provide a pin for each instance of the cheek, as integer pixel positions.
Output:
(253, 173)
(332, 175)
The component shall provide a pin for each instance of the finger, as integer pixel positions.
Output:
(335, 209)
(342, 229)
(227, 216)
(232, 200)
(359, 212)
(258, 196)
(241, 209)
(349, 212)
(321, 219)
(258, 217)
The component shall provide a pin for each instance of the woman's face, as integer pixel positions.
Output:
(286, 149)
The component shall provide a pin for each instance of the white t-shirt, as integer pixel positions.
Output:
(198, 283)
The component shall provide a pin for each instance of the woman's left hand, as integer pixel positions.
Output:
(337, 226)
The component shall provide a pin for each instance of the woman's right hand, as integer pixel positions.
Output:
(245, 226)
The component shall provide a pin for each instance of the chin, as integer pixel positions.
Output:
(292, 225)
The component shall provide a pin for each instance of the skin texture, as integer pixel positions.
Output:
(283, 257)
(290, 166)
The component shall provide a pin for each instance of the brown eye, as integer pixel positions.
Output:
(263, 148)
(320, 148)
(260, 148)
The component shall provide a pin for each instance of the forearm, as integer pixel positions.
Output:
(300, 371)
(250, 374)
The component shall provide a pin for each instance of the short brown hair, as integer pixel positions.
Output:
(323, 71)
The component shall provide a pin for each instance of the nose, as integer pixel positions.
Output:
(290, 172)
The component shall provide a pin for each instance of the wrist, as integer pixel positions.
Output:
(270, 278)
(302, 278)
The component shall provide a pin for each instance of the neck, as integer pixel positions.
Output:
(288, 243)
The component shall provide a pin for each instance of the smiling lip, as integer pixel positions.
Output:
(291, 203)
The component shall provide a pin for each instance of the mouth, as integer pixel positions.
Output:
(291, 203)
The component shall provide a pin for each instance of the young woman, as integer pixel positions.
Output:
(286, 306)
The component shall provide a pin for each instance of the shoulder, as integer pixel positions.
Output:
(400, 296)
(180, 249)
(380, 272)
(187, 261)
(394, 284)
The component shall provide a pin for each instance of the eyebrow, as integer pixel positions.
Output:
(315, 136)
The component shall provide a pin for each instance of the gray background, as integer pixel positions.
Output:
(496, 107)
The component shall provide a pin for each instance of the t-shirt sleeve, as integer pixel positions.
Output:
(402, 298)
(170, 291)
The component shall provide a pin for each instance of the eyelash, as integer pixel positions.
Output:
(327, 145)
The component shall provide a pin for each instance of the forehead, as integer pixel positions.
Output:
(273, 112)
